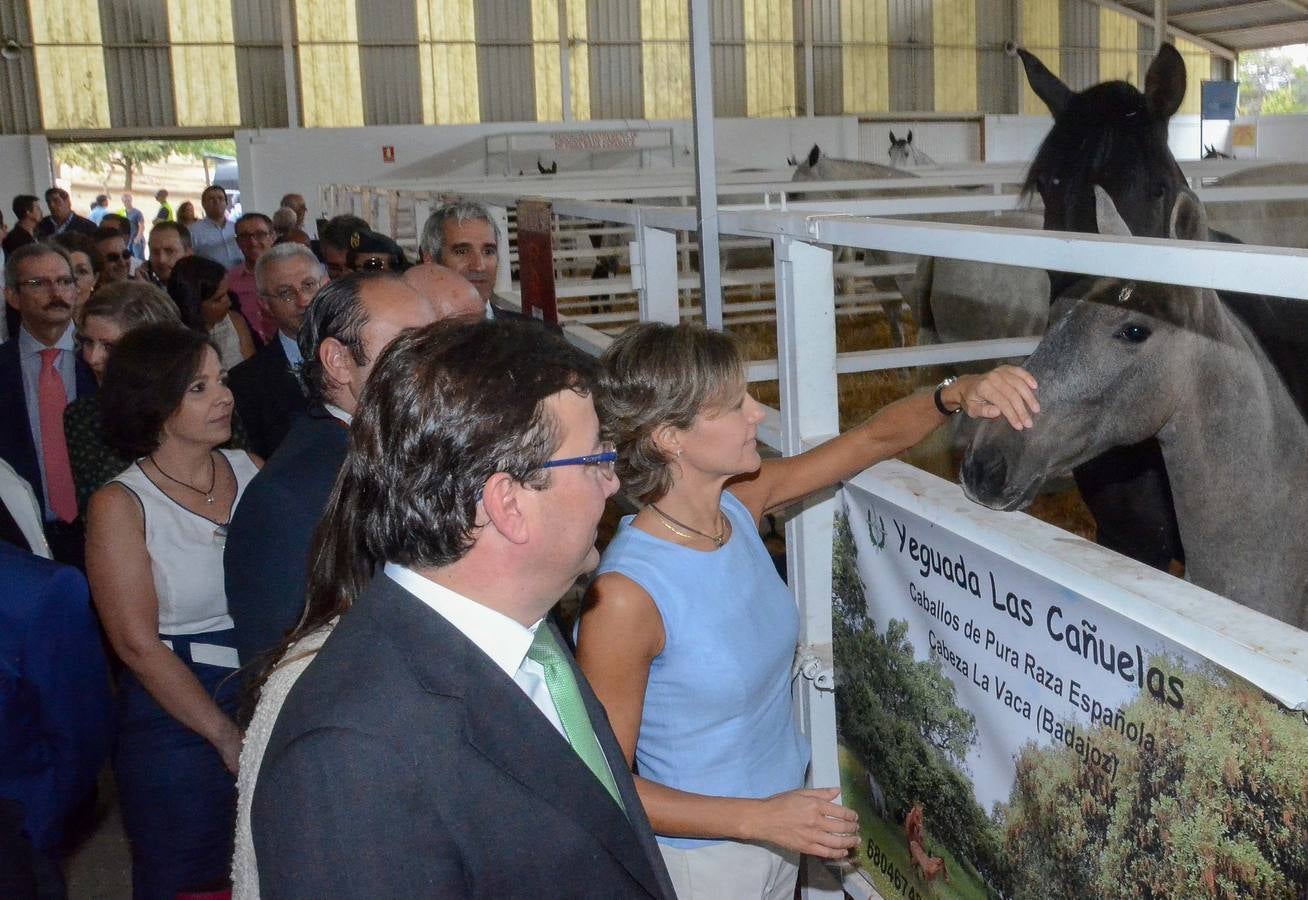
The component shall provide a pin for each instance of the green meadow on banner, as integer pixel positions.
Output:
(1002, 736)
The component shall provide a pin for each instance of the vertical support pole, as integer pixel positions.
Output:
(504, 274)
(806, 369)
(536, 260)
(423, 206)
(809, 92)
(706, 176)
(565, 62)
(1160, 25)
(288, 67)
(654, 273)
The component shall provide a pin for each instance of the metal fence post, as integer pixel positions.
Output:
(806, 368)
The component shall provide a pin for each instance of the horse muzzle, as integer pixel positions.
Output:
(988, 479)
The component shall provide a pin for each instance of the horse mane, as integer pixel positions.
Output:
(1102, 123)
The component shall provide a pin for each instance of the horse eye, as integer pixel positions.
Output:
(1132, 333)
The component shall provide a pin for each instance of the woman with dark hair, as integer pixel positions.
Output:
(86, 261)
(688, 634)
(154, 559)
(186, 214)
(198, 286)
(111, 312)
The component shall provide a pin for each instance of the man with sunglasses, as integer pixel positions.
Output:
(40, 374)
(442, 733)
(112, 247)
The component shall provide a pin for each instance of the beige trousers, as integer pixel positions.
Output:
(732, 871)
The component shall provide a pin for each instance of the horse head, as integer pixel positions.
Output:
(900, 149)
(1110, 368)
(1113, 136)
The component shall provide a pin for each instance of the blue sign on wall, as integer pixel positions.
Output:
(1217, 99)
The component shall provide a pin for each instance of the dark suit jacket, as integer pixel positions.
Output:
(16, 447)
(268, 397)
(80, 225)
(265, 563)
(406, 764)
(55, 708)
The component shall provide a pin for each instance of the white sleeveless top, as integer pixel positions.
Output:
(186, 552)
(228, 342)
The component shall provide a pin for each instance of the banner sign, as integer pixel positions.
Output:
(1218, 99)
(1002, 735)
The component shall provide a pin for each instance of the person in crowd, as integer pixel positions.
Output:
(334, 243)
(154, 557)
(21, 521)
(214, 236)
(117, 257)
(255, 237)
(40, 374)
(55, 710)
(87, 265)
(295, 203)
(351, 321)
(283, 221)
(268, 395)
(186, 214)
(62, 219)
(112, 311)
(169, 242)
(687, 583)
(135, 240)
(464, 237)
(464, 746)
(27, 215)
(199, 288)
(371, 251)
(165, 213)
(99, 207)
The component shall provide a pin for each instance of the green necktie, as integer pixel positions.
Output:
(571, 708)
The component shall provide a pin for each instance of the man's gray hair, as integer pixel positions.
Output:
(433, 232)
(32, 251)
(282, 253)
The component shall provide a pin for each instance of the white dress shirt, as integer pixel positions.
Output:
(505, 641)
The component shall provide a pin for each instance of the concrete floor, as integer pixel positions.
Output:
(101, 868)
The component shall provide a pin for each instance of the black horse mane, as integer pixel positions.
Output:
(1100, 127)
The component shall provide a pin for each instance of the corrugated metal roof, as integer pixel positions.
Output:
(1235, 24)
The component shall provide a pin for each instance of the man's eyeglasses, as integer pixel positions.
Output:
(125, 255)
(603, 460)
(373, 264)
(261, 235)
(290, 293)
(62, 283)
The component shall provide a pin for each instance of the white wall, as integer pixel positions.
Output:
(26, 169)
(1281, 137)
(277, 161)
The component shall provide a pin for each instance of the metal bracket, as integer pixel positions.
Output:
(813, 661)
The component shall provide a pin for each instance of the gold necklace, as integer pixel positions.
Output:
(690, 533)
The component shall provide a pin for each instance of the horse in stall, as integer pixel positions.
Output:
(1114, 137)
(903, 153)
(1124, 361)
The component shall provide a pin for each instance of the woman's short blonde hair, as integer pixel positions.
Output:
(129, 304)
(655, 375)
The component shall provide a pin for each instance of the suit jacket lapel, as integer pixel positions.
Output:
(505, 727)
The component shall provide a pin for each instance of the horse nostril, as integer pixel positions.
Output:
(985, 474)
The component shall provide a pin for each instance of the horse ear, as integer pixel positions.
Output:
(814, 155)
(791, 161)
(893, 140)
(1045, 83)
(1165, 83)
(909, 139)
(1107, 219)
(1189, 222)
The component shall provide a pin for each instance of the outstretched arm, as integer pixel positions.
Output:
(1006, 391)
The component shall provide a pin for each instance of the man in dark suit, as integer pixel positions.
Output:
(441, 744)
(62, 219)
(349, 324)
(268, 393)
(41, 373)
(55, 709)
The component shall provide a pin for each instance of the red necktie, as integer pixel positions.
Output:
(51, 400)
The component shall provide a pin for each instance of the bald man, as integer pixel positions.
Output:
(448, 292)
(346, 328)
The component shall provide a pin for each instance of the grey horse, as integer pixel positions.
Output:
(1123, 361)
